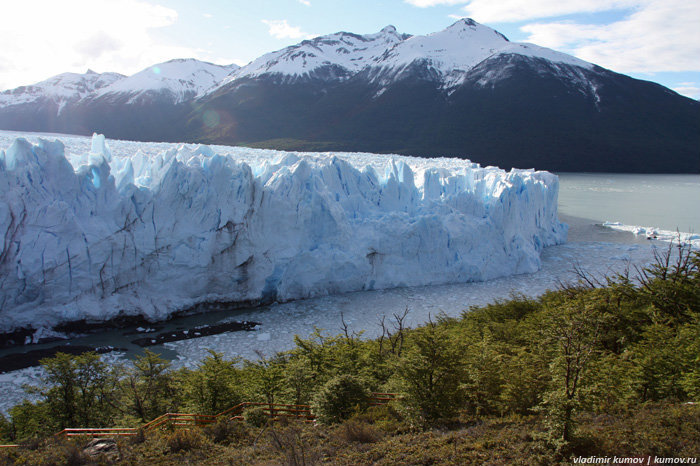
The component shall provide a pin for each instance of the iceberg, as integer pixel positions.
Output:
(100, 232)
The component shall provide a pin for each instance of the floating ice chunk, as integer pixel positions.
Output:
(653, 233)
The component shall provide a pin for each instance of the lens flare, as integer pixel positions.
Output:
(211, 118)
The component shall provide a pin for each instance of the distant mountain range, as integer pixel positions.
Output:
(466, 91)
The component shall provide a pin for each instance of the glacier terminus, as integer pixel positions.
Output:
(95, 230)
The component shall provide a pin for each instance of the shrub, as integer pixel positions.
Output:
(256, 416)
(293, 445)
(340, 398)
(140, 437)
(357, 431)
(224, 431)
(385, 418)
(74, 455)
(184, 440)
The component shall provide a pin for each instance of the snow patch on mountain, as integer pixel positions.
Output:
(92, 233)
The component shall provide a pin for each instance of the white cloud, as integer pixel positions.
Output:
(691, 90)
(207, 15)
(305, 2)
(664, 35)
(39, 39)
(280, 29)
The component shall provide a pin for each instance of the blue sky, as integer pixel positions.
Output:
(657, 40)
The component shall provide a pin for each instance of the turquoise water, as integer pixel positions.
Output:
(667, 202)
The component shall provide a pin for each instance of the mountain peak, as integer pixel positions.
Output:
(389, 29)
(468, 25)
(183, 78)
(464, 22)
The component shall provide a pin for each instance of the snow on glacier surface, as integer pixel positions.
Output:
(91, 230)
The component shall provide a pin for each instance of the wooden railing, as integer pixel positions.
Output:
(379, 399)
(99, 432)
(180, 420)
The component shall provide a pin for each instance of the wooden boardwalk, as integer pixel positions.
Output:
(188, 420)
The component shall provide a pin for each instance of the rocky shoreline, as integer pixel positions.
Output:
(31, 358)
(67, 330)
(196, 332)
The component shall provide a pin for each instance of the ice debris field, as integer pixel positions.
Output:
(93, 229)
(692, 239)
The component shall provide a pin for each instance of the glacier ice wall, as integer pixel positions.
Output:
(95, 235)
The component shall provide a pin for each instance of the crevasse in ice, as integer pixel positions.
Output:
(93, 235)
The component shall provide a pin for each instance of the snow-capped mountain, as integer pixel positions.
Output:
(465, 91)
(338, 55)
(149, 105)
(60, 89)
(449, 54)
(180, 80)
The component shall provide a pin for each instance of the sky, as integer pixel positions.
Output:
(655, 40)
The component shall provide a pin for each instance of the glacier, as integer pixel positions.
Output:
(96, 231)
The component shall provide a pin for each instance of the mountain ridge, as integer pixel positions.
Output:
(466, 91)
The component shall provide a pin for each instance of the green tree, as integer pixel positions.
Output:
(525, 379)
(79, 390)
(690, 378)
(671, 284)
(483, 366)
(265, 378)
(298, 380)
(340, 398)
(213, 386)
(6, 431)
(572, 328)
(148, 386)
(31, 420)
(658, 363)
(430, 371)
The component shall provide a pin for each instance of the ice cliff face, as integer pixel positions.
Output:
(97, 234)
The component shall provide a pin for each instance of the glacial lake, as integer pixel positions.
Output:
(585, 201)
(667, 202)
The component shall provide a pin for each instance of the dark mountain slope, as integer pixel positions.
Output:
(527, 113)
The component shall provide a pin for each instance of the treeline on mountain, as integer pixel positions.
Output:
(575, 371)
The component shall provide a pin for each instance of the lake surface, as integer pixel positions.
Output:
(667, 202)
